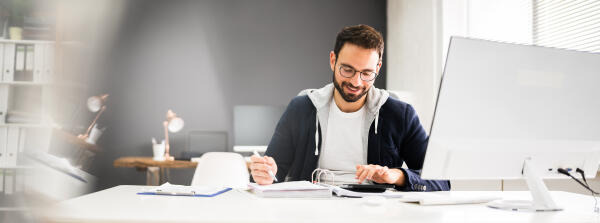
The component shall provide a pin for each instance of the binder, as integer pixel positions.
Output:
(9, 62)
(9, 181)
(1, 180)
(20, 57)
(3, 143)
(12, 146)
(3, 103)
(1, 62)
(19, 180)
(48, 75)
(38, 62)
(20, 62)
(22, 135)
(29, 55)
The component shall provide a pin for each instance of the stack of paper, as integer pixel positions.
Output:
(182, 190)
(301, 189)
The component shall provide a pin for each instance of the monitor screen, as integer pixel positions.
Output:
(500, 103)
(254, 124)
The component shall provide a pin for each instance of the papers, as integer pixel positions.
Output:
(442, 198)
(182, 190)
(295, 189)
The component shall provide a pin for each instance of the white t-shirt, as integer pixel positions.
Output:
(342, 146)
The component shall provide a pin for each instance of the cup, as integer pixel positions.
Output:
(159, 151)
(95, 133)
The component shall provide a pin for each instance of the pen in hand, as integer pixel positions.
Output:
(270, 172)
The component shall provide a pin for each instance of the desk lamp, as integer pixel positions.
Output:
(95, 104)
(172, 124)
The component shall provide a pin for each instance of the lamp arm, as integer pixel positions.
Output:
(165, 124)
(94, 122)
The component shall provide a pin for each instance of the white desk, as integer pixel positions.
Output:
(121, 204)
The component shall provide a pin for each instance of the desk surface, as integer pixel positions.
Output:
(121, 204)
(145, 162)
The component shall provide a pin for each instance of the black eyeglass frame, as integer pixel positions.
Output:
(363, 74)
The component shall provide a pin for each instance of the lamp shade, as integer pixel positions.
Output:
(175, 124)
(94, 103)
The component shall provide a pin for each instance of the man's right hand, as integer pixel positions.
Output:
(259, 168)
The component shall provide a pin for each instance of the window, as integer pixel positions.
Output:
(567, 24)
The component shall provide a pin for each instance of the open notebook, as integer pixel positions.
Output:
(304, 189)
(295, 189)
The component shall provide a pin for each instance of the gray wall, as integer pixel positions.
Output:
(200, 58)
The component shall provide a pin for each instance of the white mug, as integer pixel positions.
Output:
(95, 133)
(159, 151)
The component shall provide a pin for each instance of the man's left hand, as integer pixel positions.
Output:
(379, 174)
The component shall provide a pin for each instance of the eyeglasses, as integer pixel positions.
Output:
(349, 72)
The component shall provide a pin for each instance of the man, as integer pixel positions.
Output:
(349, 125)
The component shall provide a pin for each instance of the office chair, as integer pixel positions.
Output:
(221, 169)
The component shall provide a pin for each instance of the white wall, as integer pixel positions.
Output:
(413, 47)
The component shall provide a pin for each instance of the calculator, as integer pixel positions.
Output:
(369, 188)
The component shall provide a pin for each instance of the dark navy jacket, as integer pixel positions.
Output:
(400, 138)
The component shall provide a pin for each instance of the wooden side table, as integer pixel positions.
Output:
(157, 172)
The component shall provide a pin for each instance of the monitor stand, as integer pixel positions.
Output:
(542, 201)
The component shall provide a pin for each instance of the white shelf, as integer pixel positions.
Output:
(16, 167)
(30, 125)
(26, 41)
(32, 83)
(39, 42)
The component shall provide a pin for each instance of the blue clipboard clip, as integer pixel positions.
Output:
(191, 194)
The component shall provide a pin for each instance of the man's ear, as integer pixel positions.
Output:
(332, 59)
(379, 66)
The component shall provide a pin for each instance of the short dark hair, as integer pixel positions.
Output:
(361, 35)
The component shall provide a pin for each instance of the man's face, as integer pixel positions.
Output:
(360, 59)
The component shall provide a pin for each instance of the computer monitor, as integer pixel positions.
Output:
(507, 111)
(253, 126)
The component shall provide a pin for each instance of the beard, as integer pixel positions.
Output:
(348, 97)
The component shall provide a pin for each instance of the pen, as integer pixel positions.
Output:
(270, 172)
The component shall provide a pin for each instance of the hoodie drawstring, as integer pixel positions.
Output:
(317, 135)
(376, 121)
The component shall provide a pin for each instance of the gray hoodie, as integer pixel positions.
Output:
(321, 99)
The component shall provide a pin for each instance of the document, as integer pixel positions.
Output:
(292, 189)
(182, 190)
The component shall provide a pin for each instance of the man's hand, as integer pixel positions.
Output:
(259, 168)
(379, 174)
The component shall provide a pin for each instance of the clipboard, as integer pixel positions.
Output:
(181, 190)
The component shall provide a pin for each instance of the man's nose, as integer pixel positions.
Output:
(355, 80)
